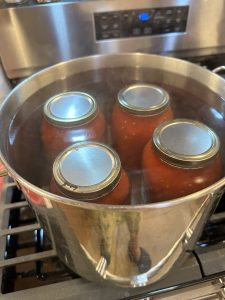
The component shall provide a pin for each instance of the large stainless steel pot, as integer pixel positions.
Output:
(93, 239)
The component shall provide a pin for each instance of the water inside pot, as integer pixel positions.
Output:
(189, 99)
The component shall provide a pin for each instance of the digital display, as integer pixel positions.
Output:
(140, 22)
(144, 16)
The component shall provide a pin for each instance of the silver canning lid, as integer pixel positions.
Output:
(72, 108)
(143, 99)
(186, 143)
(87, 170)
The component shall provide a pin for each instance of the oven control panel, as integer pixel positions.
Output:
(140, 22)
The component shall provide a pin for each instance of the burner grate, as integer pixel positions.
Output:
(27, 258)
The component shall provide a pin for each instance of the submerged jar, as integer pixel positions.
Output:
(182, 158)
(68, 118)
(139, 109)
(90, 172)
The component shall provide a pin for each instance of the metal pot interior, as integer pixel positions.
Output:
(22, 145)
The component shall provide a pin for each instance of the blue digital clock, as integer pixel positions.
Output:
(144, 16)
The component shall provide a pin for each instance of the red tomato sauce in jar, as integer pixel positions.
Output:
(68, 118)
(90, 172)
(182, 158)
(139, 110)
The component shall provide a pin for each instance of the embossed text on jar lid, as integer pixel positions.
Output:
(186, 143)
(71, 108)
(143, 99)
(87, 169)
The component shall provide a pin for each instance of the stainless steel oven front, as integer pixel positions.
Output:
(35, 34)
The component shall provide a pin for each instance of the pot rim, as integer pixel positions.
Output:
(23, 182)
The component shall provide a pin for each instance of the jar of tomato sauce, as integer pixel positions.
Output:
(91, 172)
(68, 118)
(182, 158)
(139, 109)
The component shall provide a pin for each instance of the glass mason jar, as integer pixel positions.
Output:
(91, 172)
(139, 109)
(68, 118)
(182, 158)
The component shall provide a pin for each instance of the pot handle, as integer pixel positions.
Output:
(219, 70)
(3, 170)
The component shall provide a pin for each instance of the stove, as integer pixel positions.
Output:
(36, 34)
